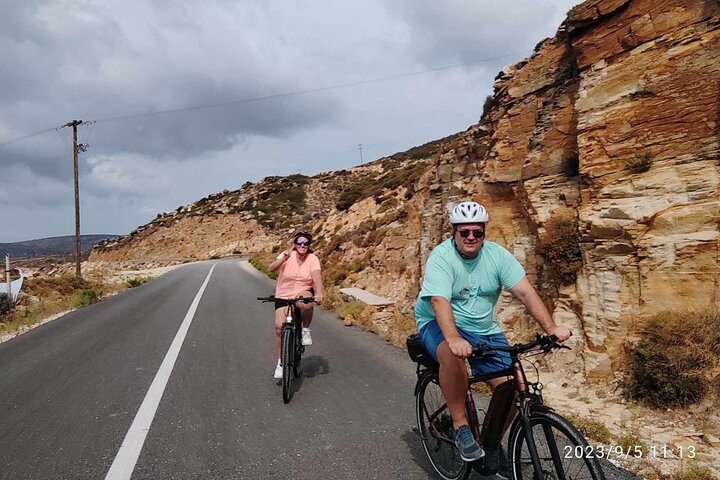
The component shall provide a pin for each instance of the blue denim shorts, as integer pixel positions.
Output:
(432, 337)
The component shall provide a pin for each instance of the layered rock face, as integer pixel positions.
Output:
(614, 122)
(617, 118)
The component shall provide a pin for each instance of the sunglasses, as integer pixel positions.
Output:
(475, 233)
(303, 244)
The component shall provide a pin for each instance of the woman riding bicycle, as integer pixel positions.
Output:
(299, 277)
(455, 310)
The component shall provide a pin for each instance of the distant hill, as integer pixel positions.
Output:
(51, 246)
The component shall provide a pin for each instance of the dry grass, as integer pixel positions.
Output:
(44, 297)
(592, 429)
(677, 360)
(560, 247)
(694, 471)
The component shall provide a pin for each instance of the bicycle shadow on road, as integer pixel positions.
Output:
(412, 439)
(310, 367)
(314, 365)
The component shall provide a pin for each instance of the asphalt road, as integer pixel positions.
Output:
(70, 391)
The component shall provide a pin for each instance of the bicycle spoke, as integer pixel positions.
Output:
(557, 443)
(436, 430)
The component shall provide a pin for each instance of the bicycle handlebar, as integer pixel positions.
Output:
(545, 342)
(286, 301)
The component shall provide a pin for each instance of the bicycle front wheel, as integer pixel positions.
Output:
(562, 450)
(287, 353)
(298, 353)
(436, 430)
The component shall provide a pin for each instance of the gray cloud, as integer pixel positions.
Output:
(80, 62)
(467, 31)
(94, 60)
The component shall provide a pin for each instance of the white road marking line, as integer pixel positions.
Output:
(127, 457)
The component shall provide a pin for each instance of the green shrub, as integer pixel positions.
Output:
(350, 196)
(640, 162)
(560, 247)
(258, 263)
(592, 429)
(488, 104)
(392, 179)
(631, 443)
(677, 361)
(5, 303)
(656, 382)
(694, 471)
(85, 297)
(137, 281)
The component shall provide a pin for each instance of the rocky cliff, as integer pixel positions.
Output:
(598, 158)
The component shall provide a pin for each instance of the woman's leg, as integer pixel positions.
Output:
(279, 320)
(306, 309)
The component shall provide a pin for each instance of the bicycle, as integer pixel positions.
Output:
(291, 347)
(564, 454)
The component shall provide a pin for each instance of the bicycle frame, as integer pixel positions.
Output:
(291, 350)
(491, 431)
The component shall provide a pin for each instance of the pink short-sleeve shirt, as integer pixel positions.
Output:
(293, 278)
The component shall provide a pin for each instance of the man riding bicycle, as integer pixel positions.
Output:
(455, 311)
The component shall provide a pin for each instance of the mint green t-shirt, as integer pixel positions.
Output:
(472, 286)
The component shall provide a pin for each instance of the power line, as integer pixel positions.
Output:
(273, 96)
(30, 135)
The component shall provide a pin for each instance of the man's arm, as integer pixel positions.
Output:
(525, 292)
(446, 320)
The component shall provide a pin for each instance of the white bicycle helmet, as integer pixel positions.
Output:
(469, 212)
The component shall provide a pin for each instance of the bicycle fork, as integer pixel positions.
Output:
(530, 441)
(539, 473)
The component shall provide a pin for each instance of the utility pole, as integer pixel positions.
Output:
(360, 148)
(76, 147)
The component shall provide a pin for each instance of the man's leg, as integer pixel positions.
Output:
(453, 382)
(454, 385)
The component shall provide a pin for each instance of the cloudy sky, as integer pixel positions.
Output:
(191, 97)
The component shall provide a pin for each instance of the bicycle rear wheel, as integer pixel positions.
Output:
(287, 353)
(436, 430)
(562, 450)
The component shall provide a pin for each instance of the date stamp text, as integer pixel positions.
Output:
(619, 452)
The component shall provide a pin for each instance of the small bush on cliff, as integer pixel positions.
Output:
(560, 247)
(640, 162)
(488, 104)
(405, 176)
(677, 361)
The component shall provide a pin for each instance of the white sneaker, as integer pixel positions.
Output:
(278, 371)
(306, 337)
